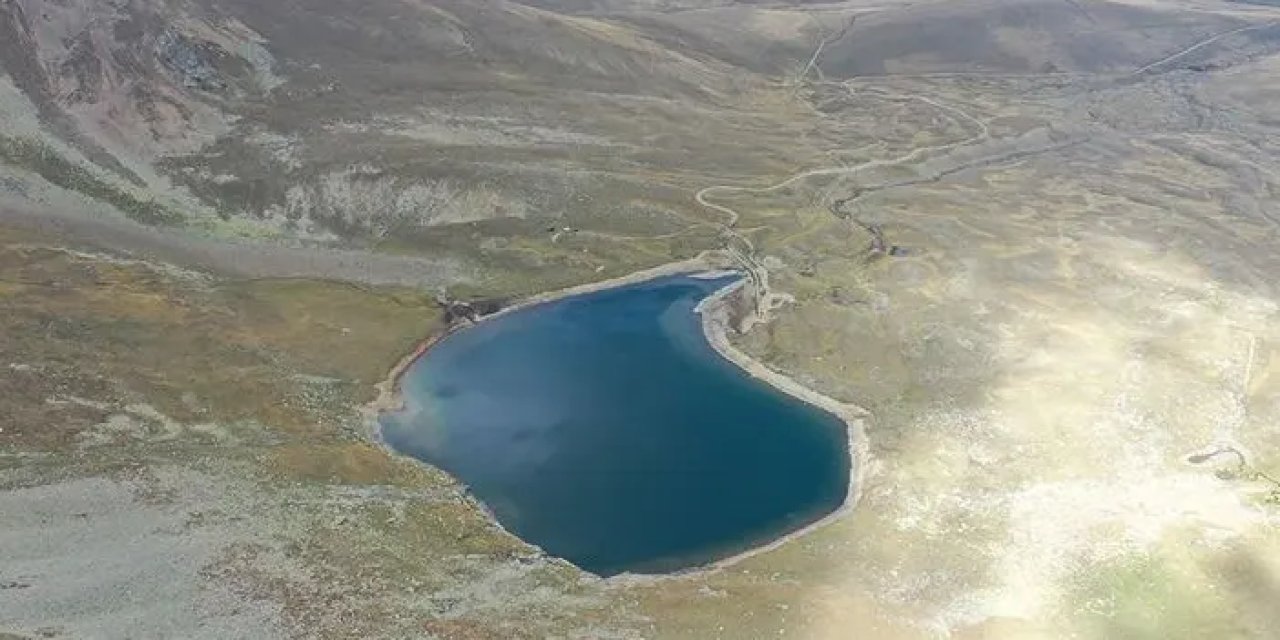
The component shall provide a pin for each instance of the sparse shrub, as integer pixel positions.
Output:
(365, 201)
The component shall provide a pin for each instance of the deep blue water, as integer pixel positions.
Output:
(605, 429)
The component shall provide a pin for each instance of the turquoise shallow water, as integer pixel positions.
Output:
(606, 430)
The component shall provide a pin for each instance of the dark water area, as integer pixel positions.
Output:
(605, 429)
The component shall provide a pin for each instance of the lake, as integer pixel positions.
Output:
(605, 429)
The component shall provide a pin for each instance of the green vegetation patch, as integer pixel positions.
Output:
(39, 157)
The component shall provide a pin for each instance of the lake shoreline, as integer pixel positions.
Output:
(714, 313)
(389, 397)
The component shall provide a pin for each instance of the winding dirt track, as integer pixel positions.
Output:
(1202, 43)
(745, 253)
(742, 250)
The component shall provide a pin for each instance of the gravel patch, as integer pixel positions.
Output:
(100, 558)
(253, 259)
